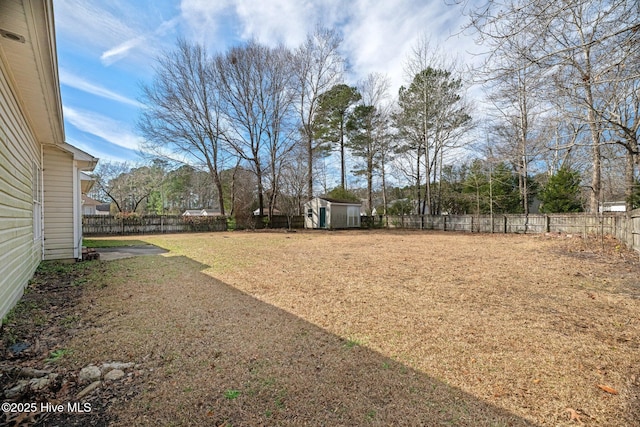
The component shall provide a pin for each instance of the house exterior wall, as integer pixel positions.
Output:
(58, 204)
(20, 165)
(312, 213)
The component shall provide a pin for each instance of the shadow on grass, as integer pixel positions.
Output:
(214, 355)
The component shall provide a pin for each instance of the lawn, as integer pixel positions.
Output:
(367, 328)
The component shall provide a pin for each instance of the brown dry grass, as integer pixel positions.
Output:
(372, 328)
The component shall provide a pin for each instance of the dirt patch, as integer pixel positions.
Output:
(364, 328)
(35, 374)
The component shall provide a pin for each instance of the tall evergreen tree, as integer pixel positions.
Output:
(361, 128)
(431, 115)
(331, 119)
(562, 192)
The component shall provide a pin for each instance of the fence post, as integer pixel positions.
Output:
(547, 224)
(504, 224)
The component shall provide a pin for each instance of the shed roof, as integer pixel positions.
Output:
(340, 201)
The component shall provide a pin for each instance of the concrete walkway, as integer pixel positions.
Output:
(108, 254)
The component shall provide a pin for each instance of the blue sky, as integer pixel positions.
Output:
(106, 49)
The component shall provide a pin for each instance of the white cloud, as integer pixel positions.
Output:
(102, 155)
(378, 36)
(117, 30)
(280, 21)
(145, 45)
(103, 127)
(79, 83)
(203, 19)
(89, 25)
(120, 51)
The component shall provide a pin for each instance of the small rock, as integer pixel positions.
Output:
(106, 367)
(16, 390)
(114, 375)
(89, 373)
(19, 347)
(38, 384)
(88, 389)
(33, 373)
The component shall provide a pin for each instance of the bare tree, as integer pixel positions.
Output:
(576, 43)
(621, 117)
(183, 115)
(243, 184)
(125, 186)
(318, 67)
(254, 83)
(294, 184)
(281, 118)
(518, 123)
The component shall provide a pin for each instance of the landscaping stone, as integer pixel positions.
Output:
(114, 375)
(17, 390)
(42, 383)
(89, 373)
(106, 367)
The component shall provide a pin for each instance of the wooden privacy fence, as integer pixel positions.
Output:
(277, 221)
(93, 225)
(625, 227)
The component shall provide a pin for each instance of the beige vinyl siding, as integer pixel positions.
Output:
(58, 204)
(19, 253)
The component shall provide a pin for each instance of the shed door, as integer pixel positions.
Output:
(323, 217)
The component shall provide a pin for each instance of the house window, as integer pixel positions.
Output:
(37, 201)
(309, 213)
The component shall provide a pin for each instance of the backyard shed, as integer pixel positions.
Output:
(325, 212)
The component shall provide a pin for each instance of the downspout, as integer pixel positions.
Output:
(77, 235)
(42, 219)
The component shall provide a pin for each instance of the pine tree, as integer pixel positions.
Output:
(562, 192)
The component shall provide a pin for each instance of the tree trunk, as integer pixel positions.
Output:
(629, 179)
(370, 184)
(310, 171)
(218, 183)
(342, 161)
(596, 174)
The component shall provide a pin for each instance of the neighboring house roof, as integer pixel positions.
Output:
(201, 212)
(618, 206)
(266, 210)
(210, 212)
(104, 207)
(88, 201)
